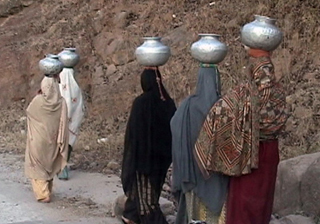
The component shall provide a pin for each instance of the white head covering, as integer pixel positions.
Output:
(71, 92)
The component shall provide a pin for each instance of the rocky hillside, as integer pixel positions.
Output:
(106, 33)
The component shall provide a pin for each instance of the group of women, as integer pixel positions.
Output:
(224, 149)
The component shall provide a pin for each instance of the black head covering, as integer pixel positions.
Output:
(147, 147)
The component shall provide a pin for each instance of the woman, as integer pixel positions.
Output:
(71, 92)
(196, 195)
(47, 139)
(147, 151)
(239, 138)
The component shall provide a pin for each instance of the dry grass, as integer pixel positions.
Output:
(13, 128)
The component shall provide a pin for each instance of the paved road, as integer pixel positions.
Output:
(85, 198)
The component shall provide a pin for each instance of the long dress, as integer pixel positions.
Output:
(250, 198)
(72, 94)
(147, 150)
(198, 198)
(47, 138)
(239, 139)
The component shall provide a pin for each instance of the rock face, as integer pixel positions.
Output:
(310, 189)
(293, 219)
(106, 33)
(297, 187)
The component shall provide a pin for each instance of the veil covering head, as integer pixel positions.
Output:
(47, 136)
(50, 94)
(147, 148)
(185, 126)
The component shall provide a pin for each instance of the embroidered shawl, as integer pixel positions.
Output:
(229, 139)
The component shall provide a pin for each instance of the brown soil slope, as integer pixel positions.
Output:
(106, 33)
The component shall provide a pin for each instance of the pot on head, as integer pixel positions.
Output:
(50, 65)
(209, 49)
(152, 52)
(261, 34)
(69, 57)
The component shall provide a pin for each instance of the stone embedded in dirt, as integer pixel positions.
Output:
(114, 78)
(293, 219)
(23, 118)
(118, 206)
(120, 20)
(94, 164)
(166, 206)
(99, 43)
(171, 219)
(122, 57)
(288, 193)
(111, 69)
(113, 165)
(310, 189)
(98, 75)
(166, 187)
(107, 171)
(27, 3)
(102, 140)
(303, 112)
(98, 20)
(177, 39)
(96, 5)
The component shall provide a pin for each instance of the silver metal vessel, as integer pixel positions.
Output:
(152, 52)
(261, 34)
(209, 49)
(50, 65)
(69, 57)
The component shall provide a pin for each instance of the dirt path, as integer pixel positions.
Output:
(85, 198)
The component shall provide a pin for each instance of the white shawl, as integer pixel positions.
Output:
(71, 92)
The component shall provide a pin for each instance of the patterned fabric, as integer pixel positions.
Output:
(142, 206)
(197, 211)
(229, 139)
(71, 92)
(148, 197)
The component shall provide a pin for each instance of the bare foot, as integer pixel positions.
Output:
(127, 221)
(45, 200)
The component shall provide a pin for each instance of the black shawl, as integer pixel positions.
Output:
(147, 148)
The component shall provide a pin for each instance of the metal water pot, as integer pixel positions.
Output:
(261, 34)
(152, 52)
(69, 57)
(209, 49)
(50, 65)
